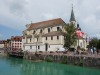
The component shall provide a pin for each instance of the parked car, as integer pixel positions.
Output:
(60, 50)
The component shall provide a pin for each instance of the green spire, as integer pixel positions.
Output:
(72, 18)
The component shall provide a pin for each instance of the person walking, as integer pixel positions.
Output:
(91, 51)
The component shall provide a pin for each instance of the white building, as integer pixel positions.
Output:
(47, 35)
(1, 44)
(44, 36)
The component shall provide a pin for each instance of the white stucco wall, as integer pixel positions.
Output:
(1, 45)
(82, 43)
(54, 47)
(42, 47)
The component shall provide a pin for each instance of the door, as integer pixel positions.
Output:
(46, 47)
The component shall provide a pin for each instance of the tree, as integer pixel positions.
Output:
(70, 37)
(98, 44)
(93, 42)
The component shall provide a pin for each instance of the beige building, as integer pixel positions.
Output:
(47, 35)
(44, 36)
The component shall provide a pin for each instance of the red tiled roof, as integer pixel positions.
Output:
(2, 41)
(55, 33)
(47, 23)
(16, 38)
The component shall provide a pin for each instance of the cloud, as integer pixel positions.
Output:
(96, 35)
(17, 13)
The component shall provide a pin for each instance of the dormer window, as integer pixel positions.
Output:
(41, 31)
(58, 28)
(34, 32)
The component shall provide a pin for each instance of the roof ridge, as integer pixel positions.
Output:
(47, 23)
(47, 20)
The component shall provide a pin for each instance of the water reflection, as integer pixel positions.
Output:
(14, 66)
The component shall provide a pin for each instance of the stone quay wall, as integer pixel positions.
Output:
(80, 60)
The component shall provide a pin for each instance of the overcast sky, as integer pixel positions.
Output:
(15, 14)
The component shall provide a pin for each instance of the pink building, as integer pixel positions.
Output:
(16, 42)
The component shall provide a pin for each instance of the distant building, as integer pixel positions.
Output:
(1, 43)
(16, 43)
(48, 35)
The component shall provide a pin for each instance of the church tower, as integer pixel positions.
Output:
(72, 17)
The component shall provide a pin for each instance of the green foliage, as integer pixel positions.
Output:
(64, 61)
(70, 37)
(79, 63)
(98, 44)
(95, 42)
(49, 59)
(76, 63)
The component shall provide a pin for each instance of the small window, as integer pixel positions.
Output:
(49, 46)
(51, 37)
(57, 37)
(30, 40)
(48, 30)
(34, 32)
(81, 44)
(30, 47)
(38, 47)
(41, 31)
(58, 28)
(37, 39)
(46, 38)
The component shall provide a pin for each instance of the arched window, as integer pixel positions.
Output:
(58, 28)
(34, 32)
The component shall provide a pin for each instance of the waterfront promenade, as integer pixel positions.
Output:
(69, 57)
(95, 55)
(87, 60)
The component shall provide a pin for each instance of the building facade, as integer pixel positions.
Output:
(16, 43)
(1, 44)
(48, 35)
(44, 36)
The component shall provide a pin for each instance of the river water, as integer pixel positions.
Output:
(15, 66)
